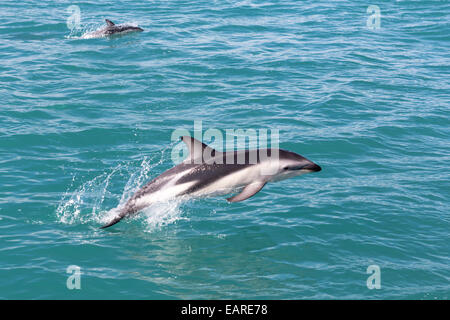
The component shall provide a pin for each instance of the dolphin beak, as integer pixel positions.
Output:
(312, 167)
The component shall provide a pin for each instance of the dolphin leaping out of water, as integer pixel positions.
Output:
(113, 29)
(207, 172)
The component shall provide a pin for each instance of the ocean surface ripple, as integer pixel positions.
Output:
(85, 122)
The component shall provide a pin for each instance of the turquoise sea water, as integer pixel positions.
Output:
(85, 122)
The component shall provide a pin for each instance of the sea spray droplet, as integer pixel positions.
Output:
(89, 197)
(163, 213)
(93, 201)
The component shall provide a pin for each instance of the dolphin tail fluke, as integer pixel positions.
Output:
(119, 217)
(111, 223)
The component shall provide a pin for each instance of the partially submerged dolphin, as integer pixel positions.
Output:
(112, 29)
(207, 172)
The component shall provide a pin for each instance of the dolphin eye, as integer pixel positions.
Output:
(286, 168)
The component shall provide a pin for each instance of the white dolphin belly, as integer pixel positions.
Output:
(230, 182)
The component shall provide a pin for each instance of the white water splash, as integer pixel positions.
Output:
(163, 213)
(83, 32)
(89, 194)
(89, 202)
(92, 31)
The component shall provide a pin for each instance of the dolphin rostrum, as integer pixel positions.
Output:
(113, 29)
(207, 172)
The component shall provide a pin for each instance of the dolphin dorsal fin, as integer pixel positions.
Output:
(109, 23)
(198, 150)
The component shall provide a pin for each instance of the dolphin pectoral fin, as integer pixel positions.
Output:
(109, 23)
(249, 191)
